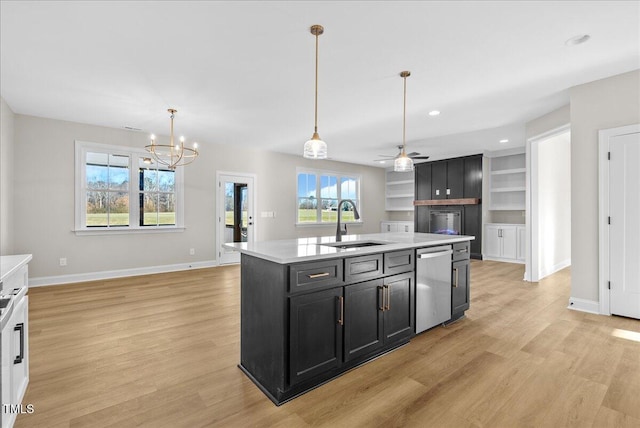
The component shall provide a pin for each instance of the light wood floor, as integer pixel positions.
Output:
(161, 351)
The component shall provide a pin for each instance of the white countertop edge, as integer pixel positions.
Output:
(10, 264)
(276, 251)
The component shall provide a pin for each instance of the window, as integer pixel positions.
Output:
(121, 188)
(318, 195)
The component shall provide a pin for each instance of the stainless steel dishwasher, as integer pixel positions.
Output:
(433, 286)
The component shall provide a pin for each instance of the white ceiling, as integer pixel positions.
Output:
(242, 72)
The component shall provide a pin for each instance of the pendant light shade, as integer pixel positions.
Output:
(315, 148)
(403, 163)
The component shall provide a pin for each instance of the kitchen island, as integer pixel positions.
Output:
(313, 308)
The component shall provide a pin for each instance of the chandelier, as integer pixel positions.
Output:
(172, 155)
(315, 148)
(403, 163)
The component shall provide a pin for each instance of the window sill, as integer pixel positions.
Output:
(128, 231)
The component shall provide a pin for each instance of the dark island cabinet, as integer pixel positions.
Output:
(378, 313)
(363, 329)
(303, 324)
(316, 333)
(460, 280)
(398, 307)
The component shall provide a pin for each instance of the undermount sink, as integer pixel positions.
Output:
(355, 244)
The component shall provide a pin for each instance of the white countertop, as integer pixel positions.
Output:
(10, 264)
(304, 249)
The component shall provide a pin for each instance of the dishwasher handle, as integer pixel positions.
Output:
(438, 254)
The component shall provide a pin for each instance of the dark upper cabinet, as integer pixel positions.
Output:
(439, 180)
(473, 177)
(423, 181)
(447, 179)
(455, 178)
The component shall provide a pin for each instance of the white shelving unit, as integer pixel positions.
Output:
(507, 185)
(400, 191)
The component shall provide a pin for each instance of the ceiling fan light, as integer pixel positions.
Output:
(403, 163)
(315, 148)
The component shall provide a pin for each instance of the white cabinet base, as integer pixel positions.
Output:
(504, 242)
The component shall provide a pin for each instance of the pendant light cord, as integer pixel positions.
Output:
(404, 114)
(315, 128)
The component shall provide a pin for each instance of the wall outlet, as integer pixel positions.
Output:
(192, 251)
(63, 261)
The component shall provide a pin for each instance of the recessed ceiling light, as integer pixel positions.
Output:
(504, 141)
(434, 113)
(381, 161)
(577, 40)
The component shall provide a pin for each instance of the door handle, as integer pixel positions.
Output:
(455, 281)
(20, 327)
(381, 298)
(388, 292)
(341, 302)
(318, 275)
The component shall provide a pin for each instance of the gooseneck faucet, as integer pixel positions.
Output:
(339, 232)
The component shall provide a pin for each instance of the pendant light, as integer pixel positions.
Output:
(315, 148)
(403, 163)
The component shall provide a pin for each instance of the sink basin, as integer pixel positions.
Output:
(355, 244)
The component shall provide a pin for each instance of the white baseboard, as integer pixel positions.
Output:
(555, 268)
(500, 259)
(584, 305)
(109, 274)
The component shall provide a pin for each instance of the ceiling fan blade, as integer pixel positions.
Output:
(419, 157)
(413, 154)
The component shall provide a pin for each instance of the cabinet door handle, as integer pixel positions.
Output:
(499, 233)
(318, 275)
(341, 319)
(381, 297)
(388, 304)
(455, 280)
(20, 327)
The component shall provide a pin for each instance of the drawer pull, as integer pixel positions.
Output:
(318, 275)
(464, 250)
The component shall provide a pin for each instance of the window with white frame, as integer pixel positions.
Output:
(318, 194)
(122, 188)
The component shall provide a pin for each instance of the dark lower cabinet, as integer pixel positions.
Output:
(363, 330)
(460, 296)
(399, 306)
(316, 333)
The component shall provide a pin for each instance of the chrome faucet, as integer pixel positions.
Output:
(340, 232)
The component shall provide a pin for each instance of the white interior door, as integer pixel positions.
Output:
(624, 231)
(236, 219)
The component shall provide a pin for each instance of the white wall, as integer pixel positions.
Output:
(44, 201)
(554, 203)
(7, 119)
(603, 104)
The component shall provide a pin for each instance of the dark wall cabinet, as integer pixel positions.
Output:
(452, 179)
(447, 179)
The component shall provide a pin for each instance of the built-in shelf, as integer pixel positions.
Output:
(509, 189)
(509, 171)
(400, 191)
(507, 182)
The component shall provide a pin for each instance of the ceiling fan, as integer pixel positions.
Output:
(412, 155)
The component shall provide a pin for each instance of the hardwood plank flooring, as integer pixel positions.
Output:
(162, 351)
